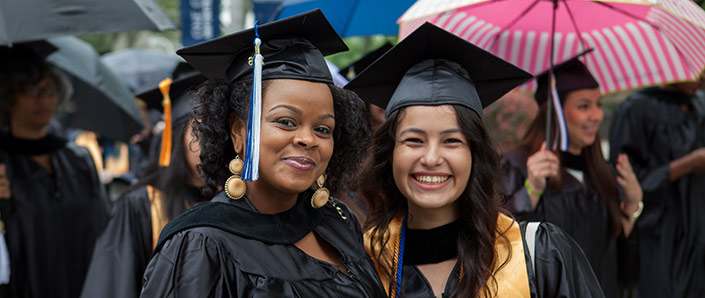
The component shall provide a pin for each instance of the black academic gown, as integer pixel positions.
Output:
(578, 209)
(52, 221)
(561, 269)
(123, 250)
(652, 130)
(227, 249)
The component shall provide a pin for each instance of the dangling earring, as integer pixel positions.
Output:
(234, 186)
(320, 197)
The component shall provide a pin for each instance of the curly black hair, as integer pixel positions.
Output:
(219, 100)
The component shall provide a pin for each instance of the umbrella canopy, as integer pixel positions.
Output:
(352, 17)
(104, 104)
(29, 20)
(141, 69)
(637, 42)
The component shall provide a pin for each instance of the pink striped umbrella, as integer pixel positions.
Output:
(637, 42)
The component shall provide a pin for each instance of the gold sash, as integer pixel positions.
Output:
(159, 219)
(512, 279)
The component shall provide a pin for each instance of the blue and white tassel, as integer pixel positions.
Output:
(562, 138)
(254, 123)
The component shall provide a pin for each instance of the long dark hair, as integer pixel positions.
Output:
(218, 100)
(478, 206)
(598, 172)
(172, 179)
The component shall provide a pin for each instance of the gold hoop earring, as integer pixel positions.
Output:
(234, 187)
(320, 197)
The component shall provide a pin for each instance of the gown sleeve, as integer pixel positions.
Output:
(630, 133)
(122, 251)
(562, 270)
(516, 197)
(191, 264)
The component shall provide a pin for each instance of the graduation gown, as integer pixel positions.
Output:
(561, 269)
(52, 219)
(124, 248)
(227, 249)
(578, 209)
(652, 130)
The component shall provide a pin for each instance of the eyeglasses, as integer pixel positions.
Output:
(36, 92)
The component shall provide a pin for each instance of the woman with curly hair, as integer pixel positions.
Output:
(436, 227)
(274, 236)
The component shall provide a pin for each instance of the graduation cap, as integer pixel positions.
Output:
(184, 79)
(173, 98)
(290, 48)
(435, 67)
(351, 70)
(570, 75)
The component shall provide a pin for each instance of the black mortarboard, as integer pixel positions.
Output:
(434, 67)
(292, 48)
(570, 75)
(184, 78)
(358, 66)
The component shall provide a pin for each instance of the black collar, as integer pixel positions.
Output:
(574, 162)
(431, 246)
(282, 228)
(45, 145)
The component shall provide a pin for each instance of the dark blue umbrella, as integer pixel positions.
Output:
(353, 17)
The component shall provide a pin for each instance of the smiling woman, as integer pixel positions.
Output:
(576, 190)
(278, 236)
(436, 227)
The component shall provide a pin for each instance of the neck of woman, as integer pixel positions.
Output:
(429, 218)
(575, 150)
(268, 200)
(27, 133)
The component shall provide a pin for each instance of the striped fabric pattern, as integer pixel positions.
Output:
(637, 43)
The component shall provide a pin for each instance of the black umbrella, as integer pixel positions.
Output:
(104, 104)
(28, 20)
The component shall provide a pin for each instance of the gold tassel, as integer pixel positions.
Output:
(165, 154)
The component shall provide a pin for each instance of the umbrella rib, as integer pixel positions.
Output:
(522, 14)
(622, 11)
(575, 25)
(352, 12)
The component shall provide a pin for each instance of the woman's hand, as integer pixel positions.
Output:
(539, 166)
(632, 204)
(629, 182)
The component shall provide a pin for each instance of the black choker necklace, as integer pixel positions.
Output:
(574, 162)
(431, 246)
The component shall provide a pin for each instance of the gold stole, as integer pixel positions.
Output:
(159, 219)
(512, 279)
